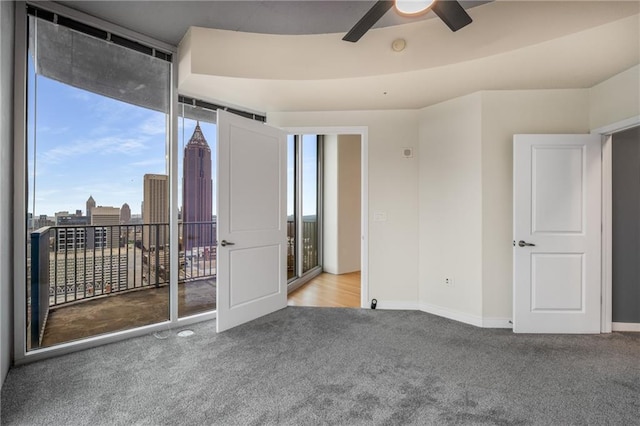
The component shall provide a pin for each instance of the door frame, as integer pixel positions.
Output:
(362, 131)
(606, 323)
(301, 278)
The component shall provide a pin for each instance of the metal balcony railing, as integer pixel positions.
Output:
(77, 263)
(309, 246)
(69, 264)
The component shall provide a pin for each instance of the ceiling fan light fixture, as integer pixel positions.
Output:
(413, 7)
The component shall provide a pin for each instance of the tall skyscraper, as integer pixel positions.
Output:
(198, 231)
(156, 210)
(125, 214)
(91, 203)
(108, 235)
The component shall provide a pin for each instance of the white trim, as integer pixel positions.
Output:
(474, 320)
(398, 305)
(452, 314)
(19, 184)
(363, 131)
(607, 221)
(607, 244)
(497, 323)
(618, 126)
(626, 326)
(172, 169)
(299, 282)
(103, 25)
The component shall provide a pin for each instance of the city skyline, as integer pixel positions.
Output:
(88, 144)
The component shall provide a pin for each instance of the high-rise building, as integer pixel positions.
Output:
(125, 214)
(91, 203)
(107, 235)
(198, 230)
(156, 211)
(71, 234)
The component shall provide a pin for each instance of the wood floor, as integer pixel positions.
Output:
(329, 290)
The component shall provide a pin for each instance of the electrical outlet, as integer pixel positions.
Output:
(448, 281)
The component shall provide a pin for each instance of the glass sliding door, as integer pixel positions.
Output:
(97, 228)
(303, 205)
(197, 215)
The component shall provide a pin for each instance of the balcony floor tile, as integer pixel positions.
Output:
(125, 311)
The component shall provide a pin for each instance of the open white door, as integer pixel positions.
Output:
(557, 241)
(251, 227)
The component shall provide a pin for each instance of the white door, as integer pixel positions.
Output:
(252, 270)
(557, 224)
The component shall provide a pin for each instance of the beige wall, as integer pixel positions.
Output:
(450, 197)
(615, 99)
(349, 203)
(466, 194)
(330, 205)
(449, 214)
(505, 113)
(341, 202)
(392, 189)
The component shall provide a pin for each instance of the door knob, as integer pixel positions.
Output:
(525, 244)
(225, 243)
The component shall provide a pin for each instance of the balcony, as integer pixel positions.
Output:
(309, 245)
(84, 281)
(88, 280)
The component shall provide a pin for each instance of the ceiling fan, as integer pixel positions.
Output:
(450, 11)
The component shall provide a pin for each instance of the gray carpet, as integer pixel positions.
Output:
(304, 366)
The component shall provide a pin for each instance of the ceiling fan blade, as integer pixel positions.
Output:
(452, 14)
(368, 20)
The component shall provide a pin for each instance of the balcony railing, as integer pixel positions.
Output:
(78, 263)
(72, 264)
(309, 246)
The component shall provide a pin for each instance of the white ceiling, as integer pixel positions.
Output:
(512, 44)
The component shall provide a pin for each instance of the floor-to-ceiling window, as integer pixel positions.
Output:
(303, 205)
(310, 213)
(97, 205)
(197, 206)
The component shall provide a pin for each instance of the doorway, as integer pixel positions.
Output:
(337, 282)
(625, 230)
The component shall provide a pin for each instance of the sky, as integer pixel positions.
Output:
(91, 145)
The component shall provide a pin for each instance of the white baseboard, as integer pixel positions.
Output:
(398, 305)
(466, 318)
(625, 326)
(497, 323)
(451, 314)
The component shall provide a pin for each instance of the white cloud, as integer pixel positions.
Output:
(81, 96)
(154, 125)
(148, 162)
(99, 146)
